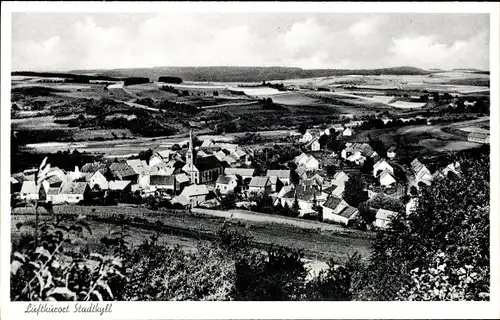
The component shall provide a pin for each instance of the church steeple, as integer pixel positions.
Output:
(190, 155)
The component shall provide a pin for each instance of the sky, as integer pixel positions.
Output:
(69, 41)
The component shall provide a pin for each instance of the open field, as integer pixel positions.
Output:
(336, 243)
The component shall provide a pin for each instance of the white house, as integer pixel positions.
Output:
(73, 192)
(315, 146)
(195, 194)
(283, 175)
(259, 185)
(347, 132)
(162, 183)
(30, 191)
(337, 210)
(383, 218)
(341, 177)
(386, 178)
(226, 183)
(307, 161)
(95, 179)
(391, 153)
(422, 174)
(382, 165)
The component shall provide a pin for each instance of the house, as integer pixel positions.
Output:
(230, 147)
(341, 177)
(381, 166)
(307, 197)
(259, 185)
(53, 195)
(122, 171)
(452, 167)
(313, 145)
(307, 161)
(74, 192)
(195, 194)
(201, 170)
(182, 180)
(226, 183)
(479, 137)
(386, 120)
(357, 158)
(208, 143)
(30, 191)
(244, 173)
(347, 132)
(386, 178)
(95, 180)
(337, 210)
(422, 174)
(301, 172)
(220, 155)
(364, 150)
(230, 160)
(310, 134)
(120, 186)
(162, 183)
(139, 166)
(240, 156)
(383, 218)
(391, 152)
(95, 166)
(283, 175)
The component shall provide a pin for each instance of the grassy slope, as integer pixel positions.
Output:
(321, 245)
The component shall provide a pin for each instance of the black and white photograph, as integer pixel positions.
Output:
(247, 155)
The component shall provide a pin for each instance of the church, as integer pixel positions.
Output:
(201, 169)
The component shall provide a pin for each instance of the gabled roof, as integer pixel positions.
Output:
(73, 187)
(119, 184)
(139, 166)
(20, 177)
(417, 166)
(392, 149)
(239, 171)
(93, 167)
(385, 174)
(283, 174)
(303, 193)
(122, 169)
(54, 179)
(259, 182)
(207, 143)
(195, 190)
(160, 180)
(226, 179)
(332, 202)
(348, 212)
(341, 176)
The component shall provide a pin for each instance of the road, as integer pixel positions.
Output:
(266, 218)
(230, 105)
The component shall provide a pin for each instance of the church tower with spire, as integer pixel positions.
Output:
(191, 156)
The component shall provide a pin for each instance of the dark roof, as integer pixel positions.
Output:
(225, 179)
(332, 202)
(302, 193)
(208, 163)
(53, 179)
(259, 182)
(73, 188)
(158, 180)
(20, 177)
(347, 212)
(392, 149)
(122, 169)
(285, 174)
(94, 167)
(330, 189)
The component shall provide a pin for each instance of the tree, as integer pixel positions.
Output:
(367, 214)
(451, 220)
(354, 193)
(323, 140)
(302, 128)
(413, 191)
(367, 166)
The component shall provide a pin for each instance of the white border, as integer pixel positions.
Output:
(266, 310)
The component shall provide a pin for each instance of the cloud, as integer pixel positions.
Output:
(195, 39)
(428, 51)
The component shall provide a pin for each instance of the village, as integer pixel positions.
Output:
(220, 176)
